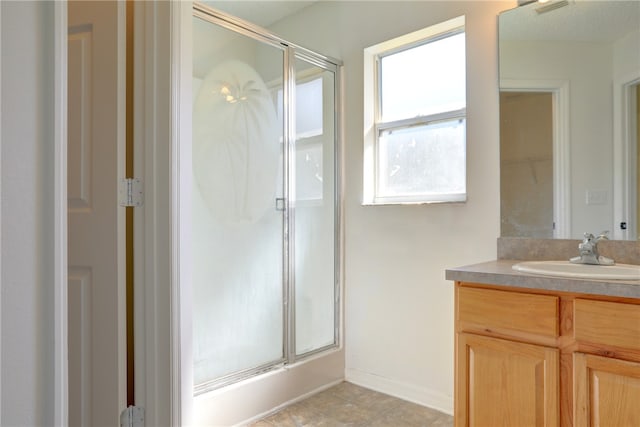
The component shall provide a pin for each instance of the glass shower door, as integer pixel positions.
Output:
(237, 220)
(315, 208)
(265, 216)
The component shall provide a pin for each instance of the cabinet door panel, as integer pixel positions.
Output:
(607, 391)
(504, 383)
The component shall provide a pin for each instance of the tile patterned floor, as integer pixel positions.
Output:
(347, 404)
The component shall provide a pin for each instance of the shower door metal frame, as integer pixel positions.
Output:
(291, 53)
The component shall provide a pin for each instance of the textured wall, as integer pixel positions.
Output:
(27, 124)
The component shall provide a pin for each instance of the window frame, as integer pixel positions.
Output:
(374, 126)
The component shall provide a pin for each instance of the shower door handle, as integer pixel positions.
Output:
(280, 204)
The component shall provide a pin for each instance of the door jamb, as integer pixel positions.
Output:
(181, 128)
(161, 327)
(61, 395)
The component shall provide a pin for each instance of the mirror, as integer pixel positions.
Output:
(569, 119)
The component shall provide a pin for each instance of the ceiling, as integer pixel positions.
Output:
(260, 12)
(580, 20)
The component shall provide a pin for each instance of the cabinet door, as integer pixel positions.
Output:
(505, 383)
(607, 391)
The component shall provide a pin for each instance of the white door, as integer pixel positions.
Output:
(97, 337)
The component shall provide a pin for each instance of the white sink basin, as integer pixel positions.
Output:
(583, 271)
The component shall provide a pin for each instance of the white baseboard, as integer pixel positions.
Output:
(416, 394)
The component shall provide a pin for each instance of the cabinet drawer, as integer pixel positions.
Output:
(502, 311)
(608, 323)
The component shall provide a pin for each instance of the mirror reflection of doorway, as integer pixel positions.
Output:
(526, 164)
(626, 144)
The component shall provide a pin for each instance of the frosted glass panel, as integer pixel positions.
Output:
(236, 230)
(315, 208)
(427, 159)
(308, 107)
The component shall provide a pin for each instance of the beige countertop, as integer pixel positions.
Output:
(500, 273)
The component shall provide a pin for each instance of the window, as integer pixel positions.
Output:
(415, 117)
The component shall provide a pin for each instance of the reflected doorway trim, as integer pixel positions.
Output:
(559, 90)
(625, 152)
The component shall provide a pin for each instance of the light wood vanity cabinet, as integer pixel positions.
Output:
(543, 358)
(506, 383)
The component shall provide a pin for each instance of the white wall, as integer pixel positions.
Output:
(626, 55)
(27, 126)
(399, 307)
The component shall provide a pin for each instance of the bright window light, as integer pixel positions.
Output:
(415, 135)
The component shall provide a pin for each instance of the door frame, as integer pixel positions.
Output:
(161, 89)
(625, 168)
(157, 350)
(559, 90)
(61, 371)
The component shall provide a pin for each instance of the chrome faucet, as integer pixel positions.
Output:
(589, 251)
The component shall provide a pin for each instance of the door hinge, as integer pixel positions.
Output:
(131, 192)
(133, 416)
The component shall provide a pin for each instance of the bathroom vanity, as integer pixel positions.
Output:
(536, 350)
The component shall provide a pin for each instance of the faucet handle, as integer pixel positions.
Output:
(589, 250)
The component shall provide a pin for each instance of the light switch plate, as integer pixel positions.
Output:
(597, 197)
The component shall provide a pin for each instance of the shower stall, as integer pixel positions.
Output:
(265, 224)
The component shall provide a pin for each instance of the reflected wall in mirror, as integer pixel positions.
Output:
(569, 119)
